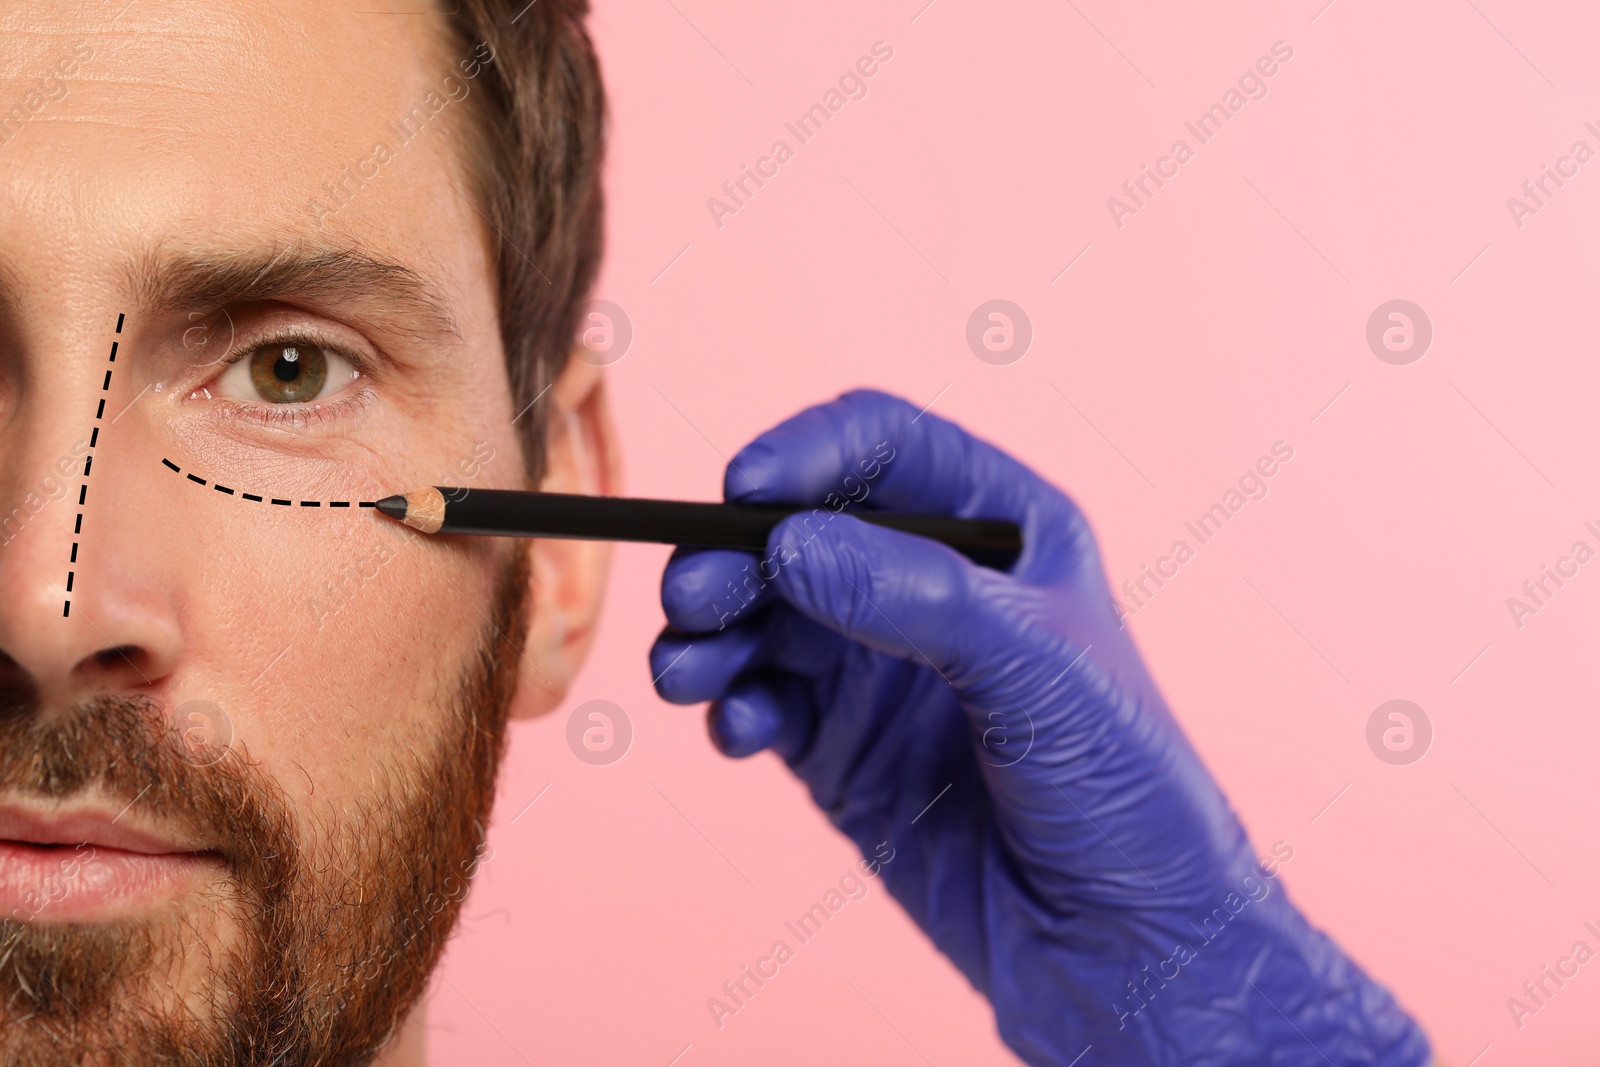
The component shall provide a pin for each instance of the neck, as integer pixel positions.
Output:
(409, 1046)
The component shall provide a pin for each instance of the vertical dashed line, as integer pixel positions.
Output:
(88, 463)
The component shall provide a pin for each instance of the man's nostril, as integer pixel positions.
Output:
(18, 696)
(115, 657)
(12, 676)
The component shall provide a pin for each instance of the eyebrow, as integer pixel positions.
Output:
(206, 279)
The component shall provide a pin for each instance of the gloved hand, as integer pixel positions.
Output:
(1052, 829)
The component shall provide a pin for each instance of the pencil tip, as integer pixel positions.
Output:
(393, 506)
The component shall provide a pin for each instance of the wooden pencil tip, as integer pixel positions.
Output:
(424, 510)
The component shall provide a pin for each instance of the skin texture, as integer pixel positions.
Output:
(193, 141)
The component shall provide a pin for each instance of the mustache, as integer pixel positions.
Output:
(129, 750)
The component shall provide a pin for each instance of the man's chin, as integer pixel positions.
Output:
(91, 992)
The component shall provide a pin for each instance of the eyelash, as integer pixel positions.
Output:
(295, 416)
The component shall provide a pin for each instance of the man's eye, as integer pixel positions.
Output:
(289, 373)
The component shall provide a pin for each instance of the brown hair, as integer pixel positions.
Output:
(536, 138)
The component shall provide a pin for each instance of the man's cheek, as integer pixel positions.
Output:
(334, 638)
(364, 632)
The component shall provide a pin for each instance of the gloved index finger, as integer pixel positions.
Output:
(877, 451)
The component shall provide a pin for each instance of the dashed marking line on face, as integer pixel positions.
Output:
(88, 463)
(258, 499)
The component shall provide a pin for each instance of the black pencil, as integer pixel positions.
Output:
(507, 513)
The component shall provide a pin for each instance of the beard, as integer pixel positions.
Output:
(303, 953)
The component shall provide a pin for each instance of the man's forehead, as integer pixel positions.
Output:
(220, 102)
(184, 141)
(138, 42)
(174, 65)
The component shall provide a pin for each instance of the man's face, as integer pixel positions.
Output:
(274, 725)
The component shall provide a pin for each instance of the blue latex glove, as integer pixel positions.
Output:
(1077, 861)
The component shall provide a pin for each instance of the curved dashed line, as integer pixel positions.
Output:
(88, 462)
(257, 498)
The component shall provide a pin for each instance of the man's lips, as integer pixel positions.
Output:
(86, 863)
(85, 826)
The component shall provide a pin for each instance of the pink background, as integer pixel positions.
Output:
(1223, 316)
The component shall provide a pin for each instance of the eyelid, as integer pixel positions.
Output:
(294, 416)
(283, 334)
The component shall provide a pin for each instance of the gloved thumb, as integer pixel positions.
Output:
(900, 594)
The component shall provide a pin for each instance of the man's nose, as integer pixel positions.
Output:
(78, 610)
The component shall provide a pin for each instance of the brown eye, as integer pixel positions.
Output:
(289, 373)
(284, 373)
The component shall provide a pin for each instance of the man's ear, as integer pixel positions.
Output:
(569, 577)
